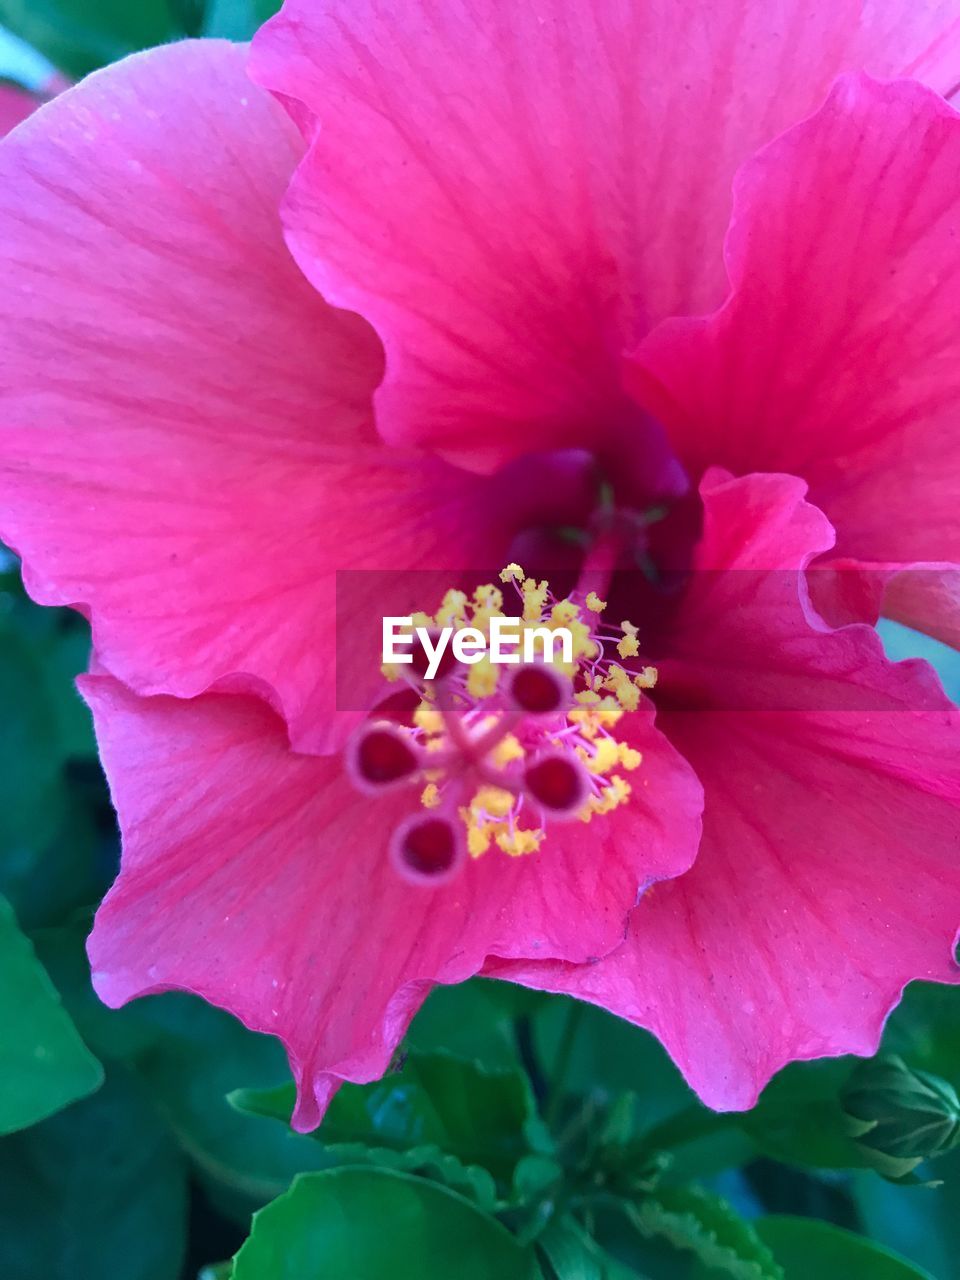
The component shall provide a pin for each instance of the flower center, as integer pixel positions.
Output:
(499, 752)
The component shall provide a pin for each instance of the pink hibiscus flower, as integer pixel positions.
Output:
(519, 202)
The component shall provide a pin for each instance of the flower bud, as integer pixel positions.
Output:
(898, 1115)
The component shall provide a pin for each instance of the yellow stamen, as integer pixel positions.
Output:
(428, 718)
(628, 647)
(518, 842)
(493, 801)
(453, 609)
(534, 598)
(483, 678)
(605, 756)
(430, 796)
(507, 750)
(478, 838)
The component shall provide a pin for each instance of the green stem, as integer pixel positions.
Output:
(562, 1062)
(687, 1126)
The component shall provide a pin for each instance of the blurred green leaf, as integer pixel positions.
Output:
(237, 19)
(426, 1159)
(925, 1029)
(805, 1248)
(115, 1035)
(475, 1020)
(52, 795)
(373, 1224)
(799, 1120)
(80, 35)
(615, 1056)
(219, 1271)
(570, 1252)
(196, 1056)
(791, 1188)
(694, 1221)
(189, 1056)
(922, 1223)
(47, 883)
(96, 1193)
(437, 1114)
(44, 1065)
(31, 755)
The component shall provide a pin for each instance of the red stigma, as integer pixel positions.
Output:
(427, 850)
(558, 783)
(539, 690)
(384, 756)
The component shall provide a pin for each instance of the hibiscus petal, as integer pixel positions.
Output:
(837, 356)
(512, 194)
(925, 597)
(259, 879)
(15, 105)
(186, 449)
(829, 875)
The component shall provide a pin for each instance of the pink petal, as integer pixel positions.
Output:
(828, 876)
(927, 600)
(837, 355)
(186, 447)
(15, 106)
(925, 597)
(513, 194)
(259, 879)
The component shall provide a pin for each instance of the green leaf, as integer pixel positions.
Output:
(617, 1056)
(434, 1105)
(805, 1248)
(925, 1028)
(373, 1224)
(46, 883)
(921, 1223)
(44, 1065)
(112, 1034)
(799, 1120)
(31, 797)
(571, 1253)
(218, 1271)
(190, 1055)
(568, 1253)
(478, 1115)
(196, 1055)
(98, 1191)
(79, 35)
(611, 1056)
(237, 19)
(50, 786)
(474, 1020)
(697, 1222)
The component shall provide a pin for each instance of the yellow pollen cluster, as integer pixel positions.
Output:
(488, 821)
(604, 693)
